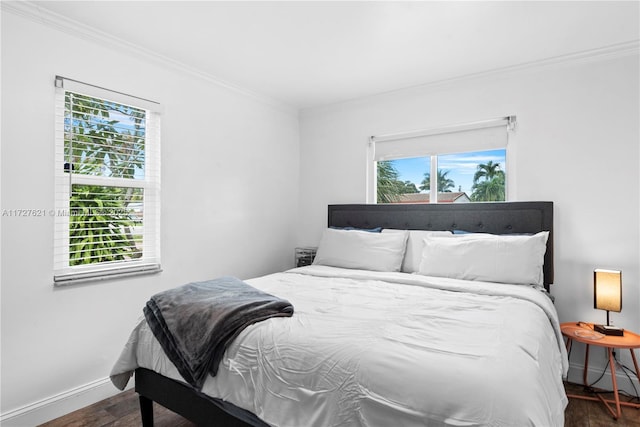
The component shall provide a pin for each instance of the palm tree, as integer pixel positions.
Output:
(408, 187)
(444, 184)
(487, 171)
(98, 144)
(488, 183)
(387, 187)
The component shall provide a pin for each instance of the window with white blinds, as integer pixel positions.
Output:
(477, 150)
(107, 184)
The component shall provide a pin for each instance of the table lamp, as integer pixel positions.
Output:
(607, 295)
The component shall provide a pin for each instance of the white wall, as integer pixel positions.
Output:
(576, 144)
(230, 166)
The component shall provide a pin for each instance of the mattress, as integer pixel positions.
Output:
(378, 349)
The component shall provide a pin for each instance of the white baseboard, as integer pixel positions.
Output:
(576, 371)
(60, 404)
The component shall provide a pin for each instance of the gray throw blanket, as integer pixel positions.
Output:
(196, 322)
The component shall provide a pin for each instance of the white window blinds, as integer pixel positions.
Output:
(471, 137)
(484, 135)
(107, 184)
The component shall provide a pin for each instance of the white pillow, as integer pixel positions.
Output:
(489, 258)
(361, 249)
(415, 243)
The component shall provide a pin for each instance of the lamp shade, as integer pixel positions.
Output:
(607, 290)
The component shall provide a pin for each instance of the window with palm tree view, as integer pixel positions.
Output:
(107, 140)
(106, 187)
(477, 176)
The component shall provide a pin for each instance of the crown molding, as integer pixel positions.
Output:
(619, 50)
(601, 54)
(605, 53)
(30, 10)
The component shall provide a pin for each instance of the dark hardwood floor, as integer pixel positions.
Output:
(122, 410)
(584, 413)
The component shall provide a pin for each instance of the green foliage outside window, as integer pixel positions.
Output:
(445, 184)
(104, 139)
(389, 187)
(101, 223)
(488, 183)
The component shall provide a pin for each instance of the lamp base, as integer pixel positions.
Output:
(609, 330)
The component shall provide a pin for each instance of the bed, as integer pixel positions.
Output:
(375, 345)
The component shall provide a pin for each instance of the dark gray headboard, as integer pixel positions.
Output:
(495, 218)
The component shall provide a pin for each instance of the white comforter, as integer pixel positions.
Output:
(387, 349)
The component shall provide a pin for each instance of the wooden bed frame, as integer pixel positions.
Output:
(496, 218)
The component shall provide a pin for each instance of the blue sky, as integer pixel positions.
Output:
(461, 167)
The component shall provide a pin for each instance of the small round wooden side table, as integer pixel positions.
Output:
(583, 332)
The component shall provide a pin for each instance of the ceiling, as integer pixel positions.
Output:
(306, 54)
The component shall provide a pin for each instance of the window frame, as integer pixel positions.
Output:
(64, 273)
(432, 142)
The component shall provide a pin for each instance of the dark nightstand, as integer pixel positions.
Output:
(305, 256)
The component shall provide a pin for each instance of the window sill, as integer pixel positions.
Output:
(70, 279)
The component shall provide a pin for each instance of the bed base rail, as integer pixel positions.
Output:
(188, 402)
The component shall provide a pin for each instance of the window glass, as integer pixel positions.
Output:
(107, 140)
(104, 138)
(464, 177)
(107, 188)
(105, 224)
